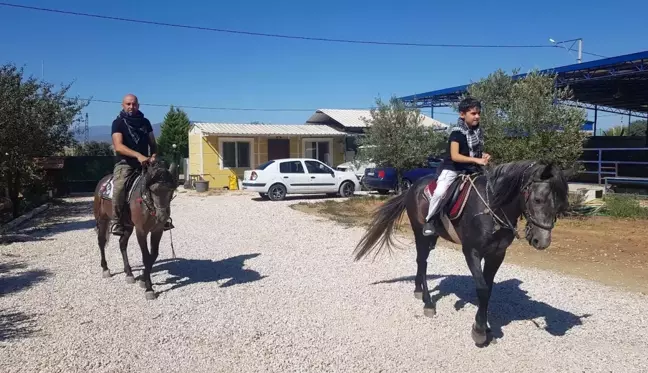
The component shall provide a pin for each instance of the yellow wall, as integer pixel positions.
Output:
(218, 178)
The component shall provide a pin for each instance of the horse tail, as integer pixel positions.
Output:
(381, 228)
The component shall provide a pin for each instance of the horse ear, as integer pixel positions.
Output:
(172, 167)
(569, 172)
(547, 171)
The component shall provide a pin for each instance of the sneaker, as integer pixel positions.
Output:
(428, 229)
(117, 229)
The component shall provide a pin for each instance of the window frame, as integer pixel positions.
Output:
(235, 140)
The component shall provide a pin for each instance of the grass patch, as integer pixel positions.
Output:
(626, 207)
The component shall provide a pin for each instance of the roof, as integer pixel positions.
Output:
(619, 82)
(352, 118)
(237, 129)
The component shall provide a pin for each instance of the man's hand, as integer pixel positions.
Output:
(152, 159)
(142, 159)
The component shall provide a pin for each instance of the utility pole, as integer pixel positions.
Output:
(86, 130)
(580, 50)
(580, 47)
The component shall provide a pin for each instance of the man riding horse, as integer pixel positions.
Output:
(465, 151)
(133, 140)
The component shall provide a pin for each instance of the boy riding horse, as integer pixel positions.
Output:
(465, 150)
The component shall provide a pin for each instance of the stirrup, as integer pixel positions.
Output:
(168, 225)
(115, 231)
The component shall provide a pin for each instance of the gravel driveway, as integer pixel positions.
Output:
(261, 287)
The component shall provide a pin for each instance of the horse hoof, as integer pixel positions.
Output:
(106, 273)
(142, 284)
(149, 295)
(130, 279)
(480, 338)
(418, 294)
(429, 311)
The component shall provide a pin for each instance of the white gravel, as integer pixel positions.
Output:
(261, 287)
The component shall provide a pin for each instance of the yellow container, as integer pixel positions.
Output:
(233, 182)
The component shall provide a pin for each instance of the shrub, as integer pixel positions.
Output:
(625, 207)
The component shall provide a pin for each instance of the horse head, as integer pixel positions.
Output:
(160, 183)
(545, 195)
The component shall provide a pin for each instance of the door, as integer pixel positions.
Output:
(294, 177)
(322, 178)
(278, 149)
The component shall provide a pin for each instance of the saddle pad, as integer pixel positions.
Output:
(106, 191)
(458, 205)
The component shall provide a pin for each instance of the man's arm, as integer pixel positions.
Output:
(120, 148)
(152, 142)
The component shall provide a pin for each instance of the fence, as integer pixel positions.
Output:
(615, 162)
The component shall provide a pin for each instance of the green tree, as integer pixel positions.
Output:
(395, 137)
(95, 148)
(523, 119)
(35, 121)
(638, 128)
(175, 130)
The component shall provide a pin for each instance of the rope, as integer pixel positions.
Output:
(492, 213)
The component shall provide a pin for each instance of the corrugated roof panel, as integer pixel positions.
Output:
(267, 129)
(352, 118)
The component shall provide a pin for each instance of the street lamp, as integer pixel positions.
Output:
(580, 46)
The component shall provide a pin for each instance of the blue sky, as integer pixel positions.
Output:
(106, 59)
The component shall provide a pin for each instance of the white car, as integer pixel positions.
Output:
(277, 178)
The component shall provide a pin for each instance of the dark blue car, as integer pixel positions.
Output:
(384, 179)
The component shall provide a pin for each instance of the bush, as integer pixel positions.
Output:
(577, 206)
(625, 207)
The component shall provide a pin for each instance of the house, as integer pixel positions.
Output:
(220, 150)
(350, 121)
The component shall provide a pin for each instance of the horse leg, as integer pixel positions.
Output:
(480, 327)
(102, 239)
(423, 247)
(148, 264)
(123, 247)
(492, 264)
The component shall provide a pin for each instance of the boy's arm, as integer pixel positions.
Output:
(455, 156)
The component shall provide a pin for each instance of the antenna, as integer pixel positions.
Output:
(86, 130)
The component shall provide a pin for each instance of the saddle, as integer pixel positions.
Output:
(454, 201)
(106, 190)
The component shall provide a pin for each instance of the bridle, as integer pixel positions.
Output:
(526, 193)
(149, 202)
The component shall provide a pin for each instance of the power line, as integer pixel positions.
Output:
(272, 35)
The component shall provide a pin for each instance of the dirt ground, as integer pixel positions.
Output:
(608, 250)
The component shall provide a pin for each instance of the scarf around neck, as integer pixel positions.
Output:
(474, 137)
(136, 124)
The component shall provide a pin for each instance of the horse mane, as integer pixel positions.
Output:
(507, 179)
(157, 172)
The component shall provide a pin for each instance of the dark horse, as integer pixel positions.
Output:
(149, 194)
(485, 228)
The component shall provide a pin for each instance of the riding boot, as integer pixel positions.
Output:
(428, 228)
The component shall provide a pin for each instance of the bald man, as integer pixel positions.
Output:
(134, 143)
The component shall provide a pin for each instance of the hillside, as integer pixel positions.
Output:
(102, 133)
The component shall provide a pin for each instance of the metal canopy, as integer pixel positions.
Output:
(616, 84)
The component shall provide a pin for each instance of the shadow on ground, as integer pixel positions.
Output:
(191, 271)
(16, 277)
(300, 197)
(62, 216)
(13, 280)
(15, 325)
(508, 303)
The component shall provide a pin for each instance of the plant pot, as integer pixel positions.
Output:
(201, 186)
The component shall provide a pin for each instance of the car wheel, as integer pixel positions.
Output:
(277, 192)
(346, 189)
(405, 185)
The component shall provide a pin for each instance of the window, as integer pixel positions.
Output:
(292, 167)
(318, 149)
(236, 154)
(317, 168)
(263, 166)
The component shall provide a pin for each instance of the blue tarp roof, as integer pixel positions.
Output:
(619, 82)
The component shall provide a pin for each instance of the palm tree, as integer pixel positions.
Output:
(619, 130)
